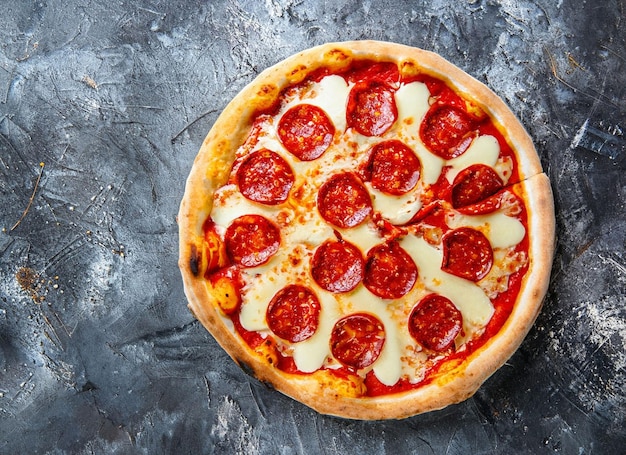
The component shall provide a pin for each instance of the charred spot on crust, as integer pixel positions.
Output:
(298, 69)
(338, 55)
(266, 100)
(408, 68)
(195, 260)
(267, 90)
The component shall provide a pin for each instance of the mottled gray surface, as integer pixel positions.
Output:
(103, 106)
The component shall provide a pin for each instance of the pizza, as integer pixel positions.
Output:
(368, 230)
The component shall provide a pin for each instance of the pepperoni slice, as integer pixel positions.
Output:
(475, 184)
(394, 168)
(357, 340)
(306, 131)
(265, 177)
(382, 72)
(435, 322)
(467, 254)
(343, 201)
(371, 109)
(293, 313)
(389, 271)
(489, 205)
(444, 129)
(251, 240)
(337, 266)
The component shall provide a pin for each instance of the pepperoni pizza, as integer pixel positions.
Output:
(368, 230)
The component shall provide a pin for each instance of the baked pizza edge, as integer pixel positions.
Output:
(211, 168)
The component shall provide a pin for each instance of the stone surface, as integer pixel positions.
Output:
(103, 106)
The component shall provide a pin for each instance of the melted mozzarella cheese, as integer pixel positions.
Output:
(271, 142)
(388, 366)
(309, 355)
(501, 230)
(504, 168)
(230, 204)
(364, 236)
(412, 103)
(396, 209)
(483, 150)
(332, 97)
(468, 297)
(290, 264)
(431, 164)
(268, 280)
(312, 230)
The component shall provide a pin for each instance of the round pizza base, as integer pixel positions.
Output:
(211, 170)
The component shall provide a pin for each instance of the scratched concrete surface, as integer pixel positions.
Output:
(103, 106)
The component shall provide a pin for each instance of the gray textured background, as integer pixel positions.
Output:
(103, 106)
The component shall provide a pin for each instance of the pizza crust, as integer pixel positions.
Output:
(211, 170)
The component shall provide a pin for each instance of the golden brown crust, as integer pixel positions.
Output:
(211, 169)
